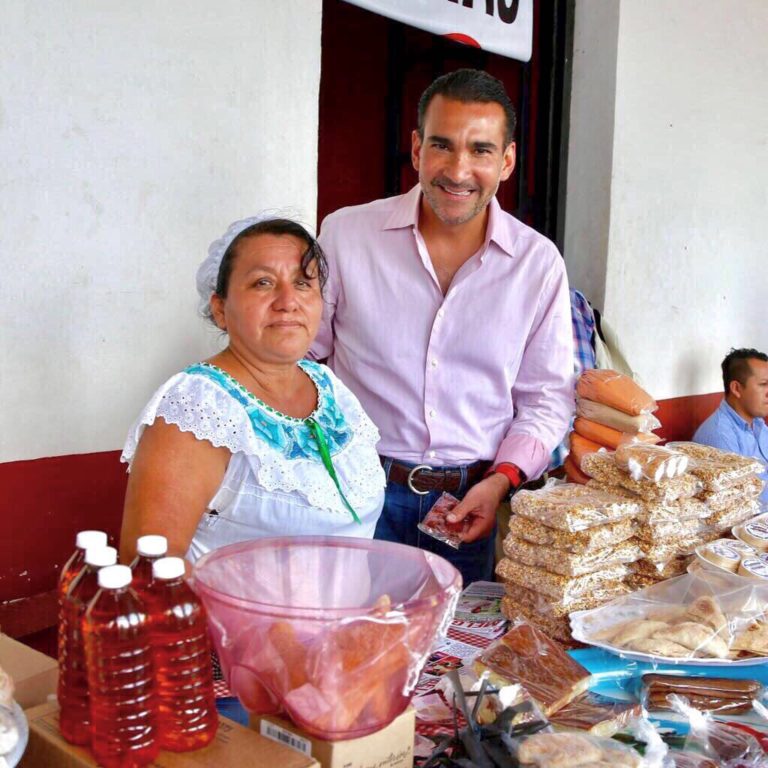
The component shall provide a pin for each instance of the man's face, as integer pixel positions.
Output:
(462, 158)
(752, 396)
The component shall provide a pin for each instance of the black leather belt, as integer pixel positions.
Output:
(422, 479)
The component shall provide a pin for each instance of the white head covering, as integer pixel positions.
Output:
(208, 271)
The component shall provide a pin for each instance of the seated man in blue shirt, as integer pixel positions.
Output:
(738, 425)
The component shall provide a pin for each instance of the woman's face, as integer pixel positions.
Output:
(272, 309)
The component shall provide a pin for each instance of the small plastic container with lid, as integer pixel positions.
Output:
(121, 681)
(149, 549)
(75, 715)
(187, 716)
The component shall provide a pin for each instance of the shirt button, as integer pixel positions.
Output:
(433, 362)
(432, 454)
(432, 412)
(440, 313)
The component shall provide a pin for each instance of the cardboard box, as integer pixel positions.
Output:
(391, 747)
(234, 745)
(34, 674)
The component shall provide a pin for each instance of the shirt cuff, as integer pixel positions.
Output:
(527, 452)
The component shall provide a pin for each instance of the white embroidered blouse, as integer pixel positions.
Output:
(276, 483)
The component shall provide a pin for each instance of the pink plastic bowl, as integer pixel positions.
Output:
(332, 631)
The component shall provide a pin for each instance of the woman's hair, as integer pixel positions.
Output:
(313, 253)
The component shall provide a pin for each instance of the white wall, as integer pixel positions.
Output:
(131, 134)
(686, 273)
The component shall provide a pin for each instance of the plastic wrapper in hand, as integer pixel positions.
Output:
(602, 467)
(615, 419)
(583, 542)
(571, 507)
(332, 631)
(650, 462)
(527, 656)
(616, 390)
(705, 617)
(569, 749)
(436, 525)
(609, 437)
(553, 584)
(715, 468)
(726, 746)
(568, 563)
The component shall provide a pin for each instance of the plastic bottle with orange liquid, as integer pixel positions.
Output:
(187, 716)
(149, 549)
(121, 680)
(74, 702)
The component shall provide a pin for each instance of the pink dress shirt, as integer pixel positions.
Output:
(484, 372)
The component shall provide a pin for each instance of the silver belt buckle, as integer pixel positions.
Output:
(416, 469)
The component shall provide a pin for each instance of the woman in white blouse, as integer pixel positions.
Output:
(256, 441)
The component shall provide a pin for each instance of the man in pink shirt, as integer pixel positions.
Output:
(450, 321)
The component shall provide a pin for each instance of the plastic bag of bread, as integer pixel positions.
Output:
(615, 419)
(568, 749)
(650, 462)
(573, 507)
(717, 469)
(609, 437)
(712, 617)
(616, 390)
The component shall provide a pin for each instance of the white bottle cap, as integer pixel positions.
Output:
(101, 556)
(88, 539)
(115, 577)
(168, 568)
(152, 546)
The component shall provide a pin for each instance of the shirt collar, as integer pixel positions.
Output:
(728, 410)
(406, 214)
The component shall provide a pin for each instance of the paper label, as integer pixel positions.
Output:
(285, 737)
(758, 530)
(724, 550)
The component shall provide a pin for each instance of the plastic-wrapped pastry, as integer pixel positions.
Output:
(572, 749)
(650, 462)
(715, 468)
(579, 542)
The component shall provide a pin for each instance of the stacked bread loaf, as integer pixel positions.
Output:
(689, 495)
(611, 409)
(567, 549)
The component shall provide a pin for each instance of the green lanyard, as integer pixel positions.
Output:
(325, 455)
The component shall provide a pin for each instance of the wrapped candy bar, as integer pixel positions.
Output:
(436, 525)
(571, 749)
(715, 468)
(532, 602)
(650, 462)
(596, 714)
(579, 542)
(722, 695)
(571, 507)
(749, 488)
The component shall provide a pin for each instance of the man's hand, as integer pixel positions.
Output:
(481, 502)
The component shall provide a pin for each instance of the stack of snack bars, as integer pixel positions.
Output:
(567, 550)
(714, 492)
(611, 409)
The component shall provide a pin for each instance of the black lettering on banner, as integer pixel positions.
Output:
(507, 8)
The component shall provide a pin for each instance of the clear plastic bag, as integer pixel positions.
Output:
(532, 602)
(608, 436)
(615, 419)
(579, 542)
(555, 585)
(571, 507)
(717, 695)
(711, 617)
(568, 563)
(650, 462)
(616, 390)
(437, 526)
(717, 469)
(749, 487)
(575, 748)
(333, 631)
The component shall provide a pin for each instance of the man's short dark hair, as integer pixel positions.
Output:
(468, 85)
(736, 366)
